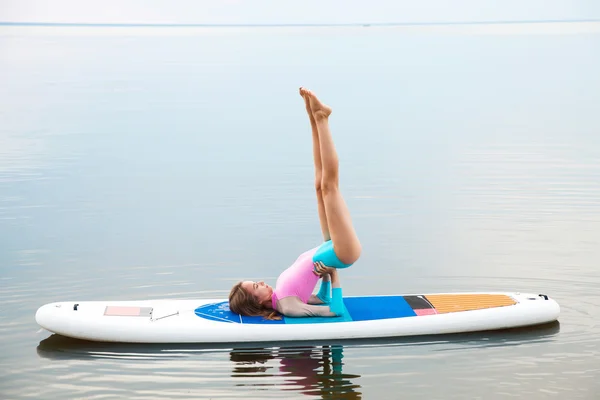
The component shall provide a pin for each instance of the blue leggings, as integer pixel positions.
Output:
(327, 256)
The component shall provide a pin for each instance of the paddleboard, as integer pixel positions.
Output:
(211, 321)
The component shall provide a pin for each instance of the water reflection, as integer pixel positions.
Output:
(333, 369)
(314, 370)
(251, 359)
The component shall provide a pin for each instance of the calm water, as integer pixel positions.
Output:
(165, 162)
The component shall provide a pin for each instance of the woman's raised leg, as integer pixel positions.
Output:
(346, 245)
(318, 169)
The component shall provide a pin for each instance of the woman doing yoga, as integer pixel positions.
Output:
(292, 295)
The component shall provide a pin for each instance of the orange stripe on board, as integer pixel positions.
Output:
(447, 303)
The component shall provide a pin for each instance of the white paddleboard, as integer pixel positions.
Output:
(211, 321)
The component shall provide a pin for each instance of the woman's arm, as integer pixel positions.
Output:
(324, 294)
(337, 301)
(292, 306)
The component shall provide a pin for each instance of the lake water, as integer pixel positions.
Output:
(140, 163)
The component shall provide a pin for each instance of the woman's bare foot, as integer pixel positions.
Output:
(319, 110)
(306, 103)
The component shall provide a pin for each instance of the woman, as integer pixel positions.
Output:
(293, 296)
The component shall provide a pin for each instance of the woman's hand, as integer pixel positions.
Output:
(321, 269)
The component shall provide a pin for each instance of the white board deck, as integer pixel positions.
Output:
(210, 321)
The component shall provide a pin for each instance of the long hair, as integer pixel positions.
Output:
(243, 303)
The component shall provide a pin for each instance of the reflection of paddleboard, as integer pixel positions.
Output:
(210, 321)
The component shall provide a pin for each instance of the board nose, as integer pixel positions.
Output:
(46, 313)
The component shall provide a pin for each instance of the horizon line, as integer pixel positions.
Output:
(281, 25)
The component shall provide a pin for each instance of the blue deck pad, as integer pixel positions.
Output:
(357, 309)
(369, 308)
(220, 312)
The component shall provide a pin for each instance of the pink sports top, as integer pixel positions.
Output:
(298, 280)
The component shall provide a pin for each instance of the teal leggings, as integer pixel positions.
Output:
(327, 256)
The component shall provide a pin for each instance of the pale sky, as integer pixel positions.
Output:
(294, 12)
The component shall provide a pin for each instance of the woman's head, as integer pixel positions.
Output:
(251, 299)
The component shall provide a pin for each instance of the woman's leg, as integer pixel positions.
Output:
(318, 169)
(346, 245)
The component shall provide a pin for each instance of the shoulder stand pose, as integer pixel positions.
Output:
(292, 295)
